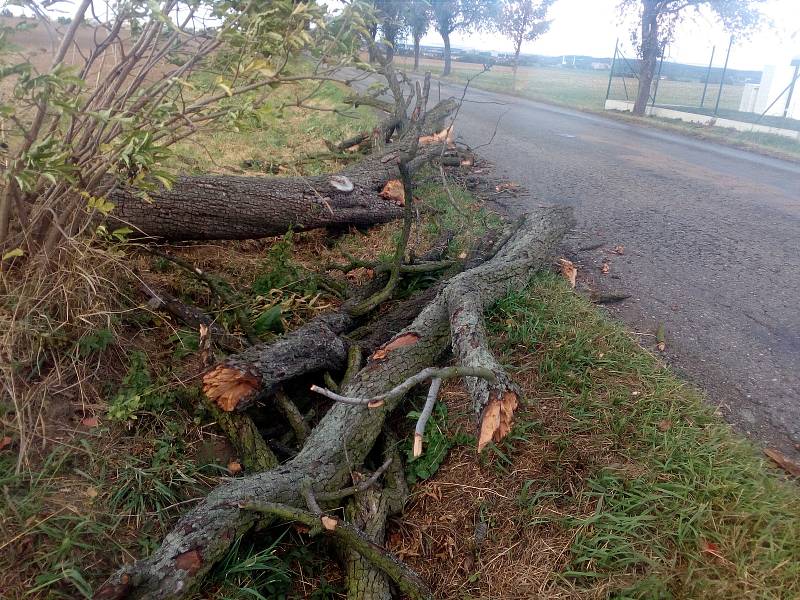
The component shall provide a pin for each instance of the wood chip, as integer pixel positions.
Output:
(407, 339)
(329, 523)
(568, 270)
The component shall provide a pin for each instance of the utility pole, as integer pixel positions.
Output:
(708, 74)
(796, 64)
(658, 76)
(722, 80)
(611, 74)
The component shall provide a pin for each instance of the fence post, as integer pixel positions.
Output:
(658, 77)
(796, 64)
(611, 74)
(722, 80)
(708, 74)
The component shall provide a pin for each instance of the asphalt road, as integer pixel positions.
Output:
(711, 236)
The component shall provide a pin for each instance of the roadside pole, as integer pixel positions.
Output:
(658, 77)
(722, 79)
(611, 74)
(708, 74)
(796, 63)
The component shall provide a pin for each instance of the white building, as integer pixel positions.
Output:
(776, 82)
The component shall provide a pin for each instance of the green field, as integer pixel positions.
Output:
(578, 88)
(586, 90)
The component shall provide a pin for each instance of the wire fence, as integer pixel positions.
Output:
(765, 98)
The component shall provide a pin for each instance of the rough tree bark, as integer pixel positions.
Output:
(238, 207)
(260, 370)
(447, 54)
(650, 51)
(345, 435)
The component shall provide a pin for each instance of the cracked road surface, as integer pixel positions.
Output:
(711, 236)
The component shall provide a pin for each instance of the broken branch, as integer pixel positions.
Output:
(402, 389)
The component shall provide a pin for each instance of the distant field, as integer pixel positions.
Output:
(578, 88)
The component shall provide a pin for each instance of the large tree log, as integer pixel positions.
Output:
(345, 435)
(238, 207)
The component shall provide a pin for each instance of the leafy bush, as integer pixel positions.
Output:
(137, 393)
(437, 443)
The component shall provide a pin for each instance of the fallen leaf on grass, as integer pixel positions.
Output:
(568, 270)
(329, 523)
(90, 422)
(783, 461)
(507, 186)
(5, 442)
(665, 425)
(712, 549)
(393, 190)
(234, 467)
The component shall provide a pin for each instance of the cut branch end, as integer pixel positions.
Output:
(227, 387)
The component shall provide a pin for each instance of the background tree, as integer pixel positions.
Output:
(659, 19)
(418, 20)
(458, 15)
(390, 15)
(522, 21)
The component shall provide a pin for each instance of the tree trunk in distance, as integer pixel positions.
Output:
(647, 68)
(447, 64)
(416, 53)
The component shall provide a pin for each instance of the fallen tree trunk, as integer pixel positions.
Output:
(238, 207)
(345, 435)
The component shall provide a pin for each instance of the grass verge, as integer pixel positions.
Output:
(618, 481)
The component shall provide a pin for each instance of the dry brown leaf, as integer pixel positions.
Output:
(329, 523)
(665, 425)
(507, 186)
(711, 548)
(91, 492)
(605, 268)
(90, 422)
(234, 467)
(783, 461)
(568, 270)
(394, 191)
(619, 249)
(5, 442)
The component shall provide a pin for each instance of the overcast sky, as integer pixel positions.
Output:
(591, 27)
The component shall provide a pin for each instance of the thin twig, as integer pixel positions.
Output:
(419, 430)
(400, 390)
(355, 489)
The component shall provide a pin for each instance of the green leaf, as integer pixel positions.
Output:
(269, 320)
(13, 253)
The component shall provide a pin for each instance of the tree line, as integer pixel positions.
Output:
(525, 20)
